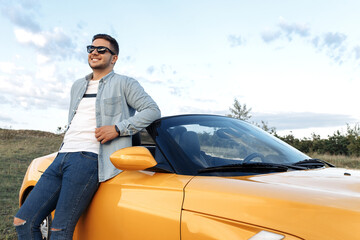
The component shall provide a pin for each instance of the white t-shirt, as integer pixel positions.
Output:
(81, 134)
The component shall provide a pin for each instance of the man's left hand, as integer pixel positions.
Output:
(106, 133)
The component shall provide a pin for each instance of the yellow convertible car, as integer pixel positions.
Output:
(197, 177)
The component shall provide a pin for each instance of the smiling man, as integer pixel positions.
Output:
(101, 120)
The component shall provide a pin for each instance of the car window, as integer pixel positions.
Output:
(147, 141)
(145, 137)
(209, 142)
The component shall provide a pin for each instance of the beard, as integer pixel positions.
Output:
(100, 65)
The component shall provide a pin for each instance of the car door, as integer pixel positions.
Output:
(135, 205)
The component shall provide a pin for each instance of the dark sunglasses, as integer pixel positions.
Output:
(99, 49)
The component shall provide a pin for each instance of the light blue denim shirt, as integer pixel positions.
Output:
(117, 100)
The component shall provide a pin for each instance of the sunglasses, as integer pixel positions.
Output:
(99, 49)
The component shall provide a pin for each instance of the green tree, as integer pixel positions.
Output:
(339, 143)
(240, 111)
(243, 113)
(353, 135)
(264, 126)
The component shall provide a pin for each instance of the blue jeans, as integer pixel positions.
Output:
(68, 186)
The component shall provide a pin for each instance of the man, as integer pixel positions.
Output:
(101, 120)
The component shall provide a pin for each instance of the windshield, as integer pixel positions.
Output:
(210, 141)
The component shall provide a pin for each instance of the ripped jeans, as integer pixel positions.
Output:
(68, 186)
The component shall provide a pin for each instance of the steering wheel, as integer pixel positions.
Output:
(252, 156)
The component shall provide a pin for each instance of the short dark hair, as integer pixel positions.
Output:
(113, 43)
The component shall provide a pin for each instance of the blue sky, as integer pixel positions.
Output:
(295, 63)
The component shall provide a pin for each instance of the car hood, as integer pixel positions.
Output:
(339, 180)
(298, 202)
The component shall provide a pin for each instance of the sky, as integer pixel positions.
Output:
(296, 64)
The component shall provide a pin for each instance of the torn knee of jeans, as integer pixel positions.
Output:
(19, 222)
(55, 229)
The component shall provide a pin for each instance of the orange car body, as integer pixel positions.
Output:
(137, 204)
(211, 177)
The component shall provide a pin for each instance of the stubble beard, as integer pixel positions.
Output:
(101, 66)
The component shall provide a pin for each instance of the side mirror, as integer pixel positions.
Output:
(133, 158)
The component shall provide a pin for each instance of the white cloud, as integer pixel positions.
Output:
(7, 67)
(333, 40)
(42, 59)
(300, 29)
(41, 88)
(54, 45)
(27, 37)
(22, 14)
(269, 35)
(287, 29)
(334, 44)
(46, 73)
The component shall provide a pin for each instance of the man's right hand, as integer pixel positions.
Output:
(106, 133)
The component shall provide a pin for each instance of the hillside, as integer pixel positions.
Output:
(17, 149)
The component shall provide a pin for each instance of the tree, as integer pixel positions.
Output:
(243, 113)
(264, 126)
(353, 135)
(240, 111)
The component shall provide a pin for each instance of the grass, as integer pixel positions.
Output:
(339, 160)
(19, 147)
